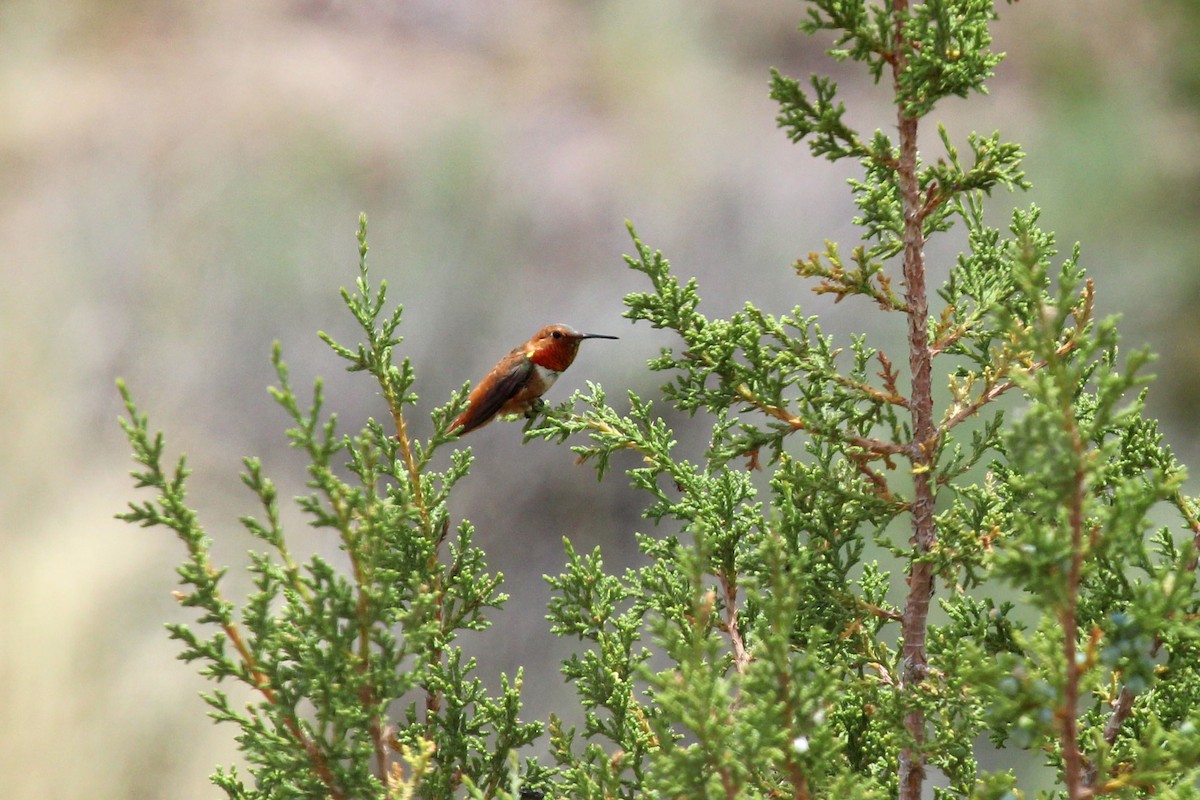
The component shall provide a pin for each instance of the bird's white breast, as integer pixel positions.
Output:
(545, 375)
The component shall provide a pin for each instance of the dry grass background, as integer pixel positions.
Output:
(181, 184)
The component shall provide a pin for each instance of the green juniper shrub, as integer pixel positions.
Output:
(833, 629)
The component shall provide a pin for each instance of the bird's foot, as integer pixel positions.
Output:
(535, 408)
(531, 414)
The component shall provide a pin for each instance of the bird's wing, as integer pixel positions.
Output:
(483, 405)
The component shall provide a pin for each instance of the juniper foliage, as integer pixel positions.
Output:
(856, 590)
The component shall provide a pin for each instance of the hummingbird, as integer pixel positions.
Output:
(517, 383)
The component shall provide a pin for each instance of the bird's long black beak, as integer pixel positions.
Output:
(597, 336)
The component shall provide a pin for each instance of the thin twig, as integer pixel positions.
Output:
(730, 624)
(861, 462)
(871, 393)
(879, 611)
(877, 448)
(410, 464)
(796, 423)
(1181, 502)
(992, 391)
(433, 700)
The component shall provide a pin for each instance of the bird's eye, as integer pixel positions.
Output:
(556, 334)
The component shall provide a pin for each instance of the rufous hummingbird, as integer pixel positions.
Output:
(517, 383)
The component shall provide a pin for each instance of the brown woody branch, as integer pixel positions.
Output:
(1068, 719)
(914, 659)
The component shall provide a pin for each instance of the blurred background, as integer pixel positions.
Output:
(181, 186)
